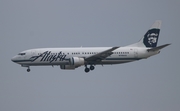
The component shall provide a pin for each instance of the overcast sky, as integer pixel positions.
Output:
(146, 85)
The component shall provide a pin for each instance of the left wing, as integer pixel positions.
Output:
(102, 55)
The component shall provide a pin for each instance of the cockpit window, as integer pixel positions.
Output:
(21, 53)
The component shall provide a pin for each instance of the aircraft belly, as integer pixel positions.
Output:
(115, 61)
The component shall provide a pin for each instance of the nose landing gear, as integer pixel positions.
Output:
(28, 68)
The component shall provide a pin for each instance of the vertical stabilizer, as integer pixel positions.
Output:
(150, 38)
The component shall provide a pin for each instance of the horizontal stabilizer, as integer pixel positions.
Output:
(158, 48)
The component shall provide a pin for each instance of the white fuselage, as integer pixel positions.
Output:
(61, 56)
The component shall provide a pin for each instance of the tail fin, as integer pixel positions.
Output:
(150, 39)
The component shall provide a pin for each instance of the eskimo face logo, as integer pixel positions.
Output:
(151, 38)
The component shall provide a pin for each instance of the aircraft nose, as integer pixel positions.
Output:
(13, 59)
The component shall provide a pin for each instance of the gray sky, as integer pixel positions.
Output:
(146, 85)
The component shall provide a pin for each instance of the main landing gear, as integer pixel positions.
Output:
(88, 69)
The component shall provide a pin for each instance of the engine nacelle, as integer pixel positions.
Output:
(67, 67)
(73, 63)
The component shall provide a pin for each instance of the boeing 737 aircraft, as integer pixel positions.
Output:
(71, 58)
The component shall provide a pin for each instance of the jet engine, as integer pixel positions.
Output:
(74, 62)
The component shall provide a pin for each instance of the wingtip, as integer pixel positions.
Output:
(168, 44)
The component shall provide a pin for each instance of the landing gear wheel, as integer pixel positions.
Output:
(92, 67)
(28, 70)
(86, 70)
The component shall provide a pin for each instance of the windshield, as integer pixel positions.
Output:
(21, 53)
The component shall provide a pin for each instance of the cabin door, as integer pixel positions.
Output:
(136, 53)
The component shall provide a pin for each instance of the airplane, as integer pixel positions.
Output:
(72, 58)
